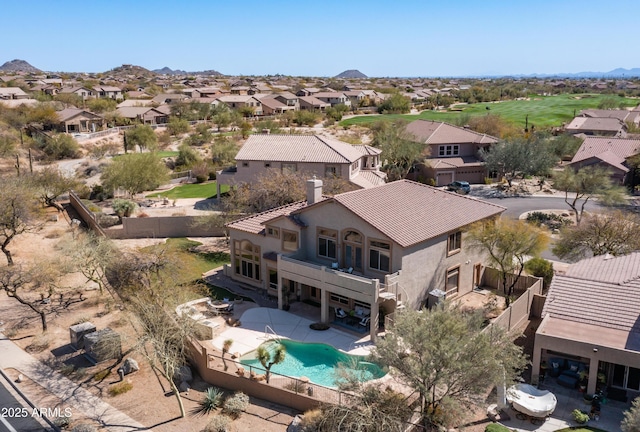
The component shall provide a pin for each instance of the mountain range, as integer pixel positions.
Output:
(23, 66)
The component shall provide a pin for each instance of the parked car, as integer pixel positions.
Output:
(461, 187)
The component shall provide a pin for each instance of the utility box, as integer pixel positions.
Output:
(436, 296)
(102, 345)
(77, 333)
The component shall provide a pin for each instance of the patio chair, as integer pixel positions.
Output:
(334, 266)
(350, 270)
(340, 313)
(364, 322)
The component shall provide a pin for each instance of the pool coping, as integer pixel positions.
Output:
(262, 324)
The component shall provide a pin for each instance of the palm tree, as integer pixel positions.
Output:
(226, 346)
(264, 356)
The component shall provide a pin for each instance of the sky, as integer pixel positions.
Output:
(380, 38)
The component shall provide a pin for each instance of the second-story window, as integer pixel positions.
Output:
(289, 240)
(454, 243)
(331, 171)
(327, 245)
(380, 255)
(449, 150)
(273, 232)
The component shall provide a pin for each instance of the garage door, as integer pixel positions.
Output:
(444, 178)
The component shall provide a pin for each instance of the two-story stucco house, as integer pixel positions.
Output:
(309, 154)
(451, 152)
(372, 250)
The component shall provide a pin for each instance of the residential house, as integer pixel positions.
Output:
(168, 98)
(74, 120)
(288, 99)
(308, 91)
(108, 92)
(370, 250)
(144, 114)
(239, 101)
(623, 115)
(272, 106)
(82, 92)
(608, 152)
(12, 93)
(356, 97)
(309, 154)
(591, 317)
(312, 103)
(451, 152)
(333, 98)
(609, 126)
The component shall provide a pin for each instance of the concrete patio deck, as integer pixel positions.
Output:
(611, 413)
(254, 331)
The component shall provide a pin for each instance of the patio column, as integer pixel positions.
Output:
(324, 305)
(593, 373)
(373, 322)
(218, 190)
(535, 363)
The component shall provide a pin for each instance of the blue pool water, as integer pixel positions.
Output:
(315, 361)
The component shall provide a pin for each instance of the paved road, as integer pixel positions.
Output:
(14, 417)
(517, 206)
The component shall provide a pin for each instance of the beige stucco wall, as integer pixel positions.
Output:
(256, 169)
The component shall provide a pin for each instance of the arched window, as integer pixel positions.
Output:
(247, 259)
(352, 241)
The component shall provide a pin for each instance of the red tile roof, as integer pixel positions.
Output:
(433, 132)
(602, 291)
(409, 213)
(594, 146)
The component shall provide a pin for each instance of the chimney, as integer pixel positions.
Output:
(314, 190)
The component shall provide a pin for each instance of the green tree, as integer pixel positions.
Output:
(177, 126)
(586, 183)
(444, 356)
(135, 173)
(267, 359)
(123, 208)
(226, 346)
(50, 183)
(540, 267)
(58, 146)
(221, 116)
(519, 157)
(201, 136)
(631, 421)
(187, 156)
(142, 136)
(102, 105)
(508, 243)
(223, 151)
(395, 104)
(616, 233)
(400, 150)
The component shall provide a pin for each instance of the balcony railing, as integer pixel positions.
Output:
(336, 281)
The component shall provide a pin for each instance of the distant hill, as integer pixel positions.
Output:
(351, 73)
(168, 71)
(129, 69)
(18, 66)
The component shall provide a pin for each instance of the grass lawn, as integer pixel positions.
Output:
(543, 111)
(167, 153)
(192, 190)
(193, 264)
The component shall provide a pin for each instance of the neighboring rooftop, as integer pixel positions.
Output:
(595, 146)
(298, 148)
(434, 132)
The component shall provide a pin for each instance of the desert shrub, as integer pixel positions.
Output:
(201, 172)
(218, 423)
(84, 428)
(82, 319)
(540, 267)
(39, 343)
(120, 388)
(67, 369)
(187, 156)
(496, 427)
(99, 376)
(236, 405)
(60, 146)
(296, 386)
(143, 215)
(551, 220)
(62, 422)
(211, 400)
(123, 208)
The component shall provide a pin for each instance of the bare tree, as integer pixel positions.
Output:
(586, 183)
(50, 183)
(18, 212)
(36, 287)
(91, 255)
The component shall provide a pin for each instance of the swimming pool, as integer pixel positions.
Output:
(316, 361)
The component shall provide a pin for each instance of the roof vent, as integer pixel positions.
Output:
(607, 256)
